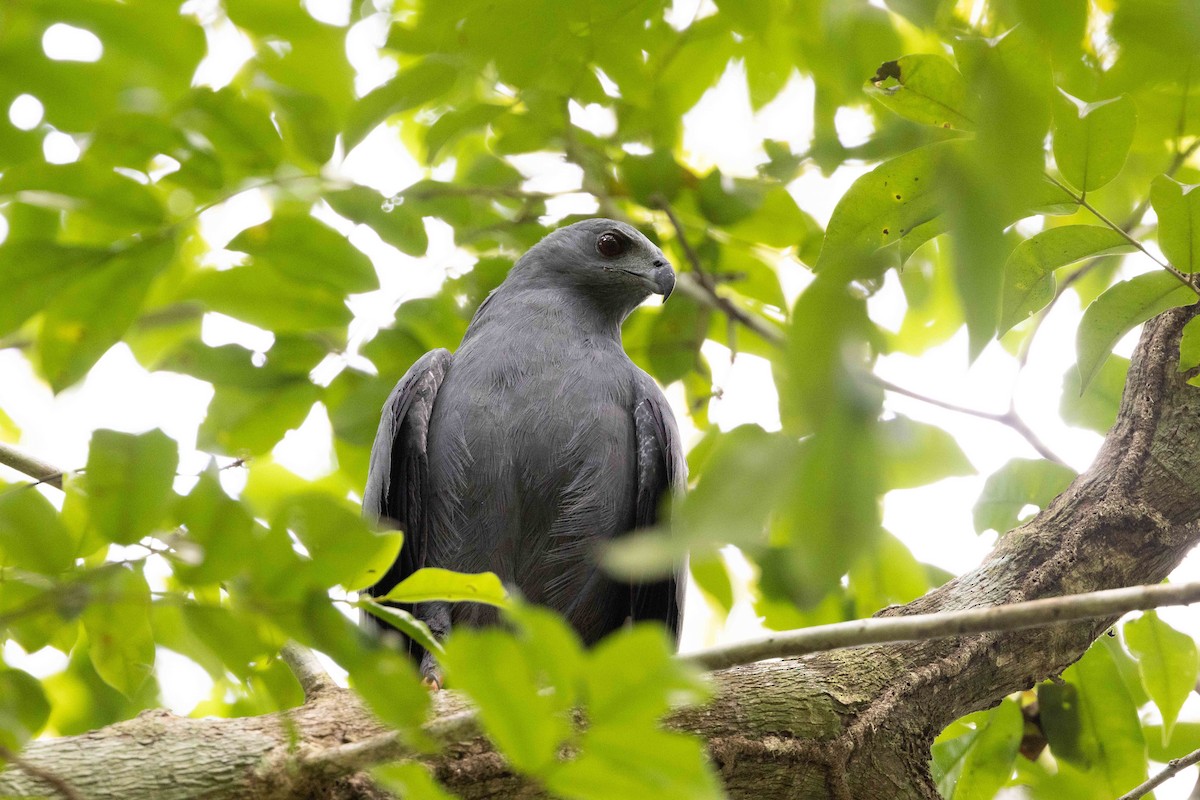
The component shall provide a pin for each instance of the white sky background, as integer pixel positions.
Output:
(934, 521)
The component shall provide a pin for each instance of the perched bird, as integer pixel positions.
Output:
(536, 442)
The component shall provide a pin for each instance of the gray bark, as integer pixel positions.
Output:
(844, 724)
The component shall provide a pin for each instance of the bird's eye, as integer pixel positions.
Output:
(610, 245)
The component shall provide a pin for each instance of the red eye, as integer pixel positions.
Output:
(610, 245)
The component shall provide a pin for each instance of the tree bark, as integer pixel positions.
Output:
(843, 724)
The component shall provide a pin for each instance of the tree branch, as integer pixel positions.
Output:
(1173, 768)
(926, 627)
(308, 670)
(30, 465)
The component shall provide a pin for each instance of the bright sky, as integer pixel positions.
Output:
(720, 131)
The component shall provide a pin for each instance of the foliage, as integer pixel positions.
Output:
(1070, 118)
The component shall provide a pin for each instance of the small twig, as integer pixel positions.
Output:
(704, 288)
(1173, 768)
(1007, 617)
(1009, 418)
(47, 777)
(459, 727)
(1082, 201)
(30, 465)
(308, 670)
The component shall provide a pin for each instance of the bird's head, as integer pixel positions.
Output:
(608, 262)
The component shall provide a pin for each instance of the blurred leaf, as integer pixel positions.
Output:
(1118, 310)
(304, 250)
(32, 536)
(90, 315)
(415, 84)
(252, 421)
(23, 708)
(343, 548)
(265, 298)
(916, 454)
(978, 763)
(396, 223)
(1019, 483)
(712, 578)
(128, 480)
(1167, 663)
(121, 641)
(219, 540)
(1096, 408)
(777, 222)
(1029, 272)
(85, 188)
(725, 200)
(654, 177)
(1178, 210)
(1091, 140)
(36, 272)
(403, 621)
(924, 88)
(409, 780)
(1092, 723)
(433, 583)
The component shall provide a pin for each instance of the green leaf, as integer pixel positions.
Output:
(219, 533)
(398, 224)
(23, 708)
(1091, 140)
(433, 583)
(36, 271)
(632, 676)
(712, 578)
(92, 314)
(32, 535)
(410, 780)
(252, 421)
(128, 480)
(1029, 272)
(307, 251)
(1096, 408)
(504, 681)
(880, 209)
(85, 188)
(1178, 210)
(915, 454)
(1118, 310)
(614, 765)
(1092, 722)
(404, 621)
(924, 88)
(1167, 663)
(455, 123)
(265, 298)
(121, 641)
(725, 201)
(978, 763)
(414, 85)
(1018, 483)
(343, 548)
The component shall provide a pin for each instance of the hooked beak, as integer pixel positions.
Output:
(663, 278)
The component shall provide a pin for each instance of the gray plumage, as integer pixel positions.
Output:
(537, 441)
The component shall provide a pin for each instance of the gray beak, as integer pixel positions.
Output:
(664, 280)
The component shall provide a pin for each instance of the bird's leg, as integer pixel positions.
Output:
(437, 617)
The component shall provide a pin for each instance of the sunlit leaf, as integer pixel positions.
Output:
(1096, 408)
(23, 708)
(978, 763)
(433, 583)
(916, 454)
(32, 536)
(1167, 663)
(307, 251)
(1019, 483)
(1029, 272)
(923, 88)
(1091, 140)
(414, 85)
(129, 478)
(1117, 311)
(121, 641)
(1178, 208)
